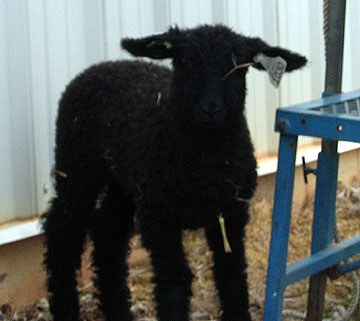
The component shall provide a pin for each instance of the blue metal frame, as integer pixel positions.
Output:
(310, 119)
(280, 228)
(330, 118)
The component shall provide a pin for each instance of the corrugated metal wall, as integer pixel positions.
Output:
(43, 44)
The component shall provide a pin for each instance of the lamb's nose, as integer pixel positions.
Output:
(211, 108)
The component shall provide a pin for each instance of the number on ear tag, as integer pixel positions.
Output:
(275, 67)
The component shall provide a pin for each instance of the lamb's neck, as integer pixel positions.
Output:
(212, 145)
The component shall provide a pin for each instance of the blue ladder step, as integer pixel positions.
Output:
(323, 260)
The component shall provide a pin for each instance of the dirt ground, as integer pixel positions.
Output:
(204, 303)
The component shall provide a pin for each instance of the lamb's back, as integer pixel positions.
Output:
(104, 108)
(123, 85)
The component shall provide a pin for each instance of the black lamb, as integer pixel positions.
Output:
(169, 146)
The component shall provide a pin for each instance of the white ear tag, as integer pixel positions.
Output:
(275, 67)
(167, 44)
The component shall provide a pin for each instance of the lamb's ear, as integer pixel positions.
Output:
(156, 47)
(293, 60)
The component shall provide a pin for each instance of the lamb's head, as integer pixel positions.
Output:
(208, 90)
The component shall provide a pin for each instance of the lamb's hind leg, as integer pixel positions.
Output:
(111, 231)
(229, 268)
(172, 275)
(65, 233)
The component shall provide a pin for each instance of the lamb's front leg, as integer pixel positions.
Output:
(229, 267)
(172, 275)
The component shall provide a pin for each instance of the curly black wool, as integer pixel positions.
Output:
(172, 146)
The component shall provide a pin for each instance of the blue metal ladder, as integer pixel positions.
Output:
(333, 118)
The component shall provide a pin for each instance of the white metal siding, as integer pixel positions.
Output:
(43, 44)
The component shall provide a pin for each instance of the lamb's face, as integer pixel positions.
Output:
(204, 90)
(208, 97)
